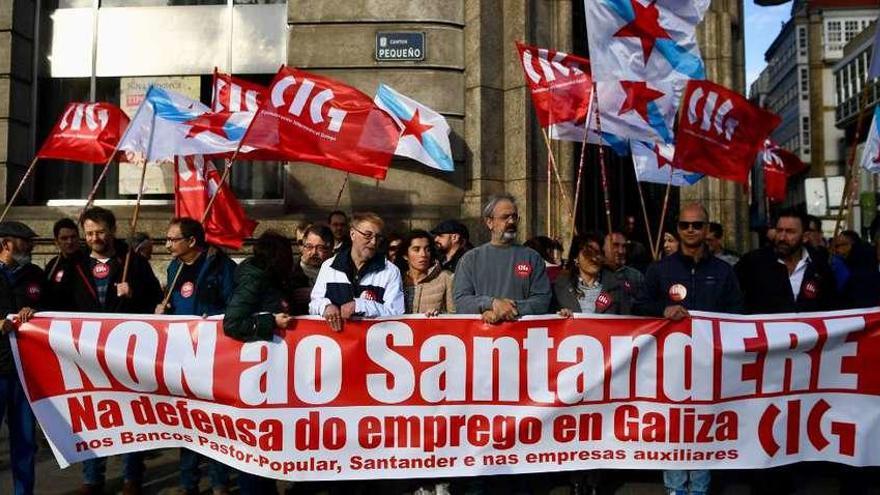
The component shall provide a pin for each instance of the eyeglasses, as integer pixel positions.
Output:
(507, 218)
(174, 239)
(369, 236)
(698, 225)
(312, 247)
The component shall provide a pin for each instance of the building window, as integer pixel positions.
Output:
(833, 36)
(805, 129)
(851, 29)
(805, 81)
(802, 41)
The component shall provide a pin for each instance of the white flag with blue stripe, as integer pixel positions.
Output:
(871, 151)
(425, 133)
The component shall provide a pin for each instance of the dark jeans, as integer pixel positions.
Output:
(132, 469)
(190, 474)
(22, 433)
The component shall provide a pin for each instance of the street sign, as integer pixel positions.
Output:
(400, 46)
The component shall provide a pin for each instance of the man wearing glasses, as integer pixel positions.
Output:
(358, 281)
(202, 288)
(501, 280)
(691, 279)
(317, 246)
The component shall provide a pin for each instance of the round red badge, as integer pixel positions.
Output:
(58, 276)
(187, 289)
(369, 295)
(678, 292)
(522, 270)
(33, 291)
(811, 289)
(603, 302)
(101, 270)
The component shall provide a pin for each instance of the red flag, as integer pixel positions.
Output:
(779, 165)
(315, 119)
(196, 180)
(720, 132)
(560, 84)
(86, 132)
(232, 94)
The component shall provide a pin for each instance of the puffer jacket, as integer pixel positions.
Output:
(434, 292)
(250, 313)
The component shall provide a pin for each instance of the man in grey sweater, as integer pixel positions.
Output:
(501, 280)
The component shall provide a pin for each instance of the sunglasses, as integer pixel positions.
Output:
(698, 225)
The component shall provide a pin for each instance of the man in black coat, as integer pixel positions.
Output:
(21, 291)
(787, 276)
(95, 284)
(70, 251)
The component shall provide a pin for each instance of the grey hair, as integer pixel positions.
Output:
(493, 202)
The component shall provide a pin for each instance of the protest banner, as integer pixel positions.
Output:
(451, 396)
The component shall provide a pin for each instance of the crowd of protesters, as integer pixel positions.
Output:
(353, 268)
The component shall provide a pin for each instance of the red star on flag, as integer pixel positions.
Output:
(638, 95)
(645, 26)
(208, 122)
(415, 127)
(662, 161)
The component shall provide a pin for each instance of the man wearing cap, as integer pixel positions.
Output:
(451, 238)
(95, 285)
(691, 279)
(21, 288)
(70, 252)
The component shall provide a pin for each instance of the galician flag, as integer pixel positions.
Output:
(653, 163)
(642, 53)
(871, 151)
(168, 124)
(425, 133)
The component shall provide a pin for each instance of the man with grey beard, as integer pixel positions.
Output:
(501, 280)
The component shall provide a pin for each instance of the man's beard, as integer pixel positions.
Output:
(508, 236)
(785, 250)
(21, 258)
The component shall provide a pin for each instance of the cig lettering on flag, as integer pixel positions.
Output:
(720, 132)
(85, 132)
(315, 119)
(653, 163)
(871, 151)
(196, 180)
(425, 133)
(168, 124)
(560, 85)
(232, 94)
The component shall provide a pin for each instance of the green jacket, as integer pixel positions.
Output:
(250, 313)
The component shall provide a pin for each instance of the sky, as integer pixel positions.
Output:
(762, 24)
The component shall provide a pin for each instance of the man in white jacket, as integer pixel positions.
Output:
(358, 281)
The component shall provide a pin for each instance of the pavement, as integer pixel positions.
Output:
(162, 479)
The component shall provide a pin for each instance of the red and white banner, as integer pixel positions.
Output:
(560, 84)
(450, 396)
(231, 94)
(85, 132)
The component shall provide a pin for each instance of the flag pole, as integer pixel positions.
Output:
(647, 223)
(552, 160)
(850, 188)
(580, 172)
(137, 204)
(602, 168)
(339, 195)
(27, 175)
(663, 217)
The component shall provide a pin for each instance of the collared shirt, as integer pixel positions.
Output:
(796, 277)
(589, 295)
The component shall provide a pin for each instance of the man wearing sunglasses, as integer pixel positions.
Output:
(358, 281)
(691, 279)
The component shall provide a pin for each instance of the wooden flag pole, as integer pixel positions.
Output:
(556, 171)
(580, 172)
(647, 222)
(850, 188)
(137, 204)
(339, 195)
(602, 169)
(27, 175)
(659, 239)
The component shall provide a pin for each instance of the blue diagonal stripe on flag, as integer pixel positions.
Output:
(433, 147)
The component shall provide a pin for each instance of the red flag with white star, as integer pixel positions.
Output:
(311, 118)
(560, 84)
(196, 180)
(85, 132)
(720, 132)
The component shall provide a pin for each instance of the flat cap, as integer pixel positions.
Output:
(12, 228)
(451, 227)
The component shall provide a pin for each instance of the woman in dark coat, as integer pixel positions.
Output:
(586, 287)
(260, 302)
